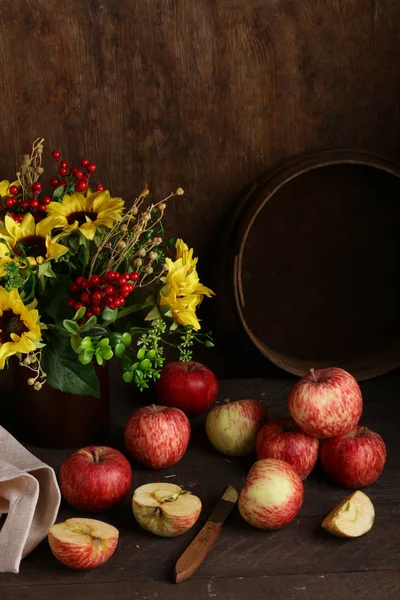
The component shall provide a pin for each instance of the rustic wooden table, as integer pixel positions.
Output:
(299, 562)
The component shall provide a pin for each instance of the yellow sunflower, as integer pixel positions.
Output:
(37, 244)
(19, 326)
(86, 213)
(182, 290)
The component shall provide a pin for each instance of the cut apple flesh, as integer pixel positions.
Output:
(353, 517)
(82, 531)
(168, 498)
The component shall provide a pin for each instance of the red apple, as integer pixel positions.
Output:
(354, 460)
(326, 403)
(282, 438)
(232, 427)
(95, 478)
(272, 495)
(157, 436)
(190, 386)
(83, 544)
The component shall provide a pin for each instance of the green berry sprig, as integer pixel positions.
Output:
(90, 348)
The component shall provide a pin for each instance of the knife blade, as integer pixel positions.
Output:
(197, 550)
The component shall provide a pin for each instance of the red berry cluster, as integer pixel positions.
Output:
(16, 206)
(98, 292)
(80, 176)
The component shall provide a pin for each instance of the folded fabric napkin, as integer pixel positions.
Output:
(30, 499)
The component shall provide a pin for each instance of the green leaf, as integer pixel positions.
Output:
(145, 364)
(171, 241)
(75, 343)
(188, 327)
(79, 313)
(65, 372)
(71, 326)
(209, 344)
(150, 301)
(141, 354)
(73, 242)
(45, 270)
(94, 331)
(92, 321)
(127, 377)
(57, 301)
(58, 193)
(166, 311)
(109, 315)
(153, 314)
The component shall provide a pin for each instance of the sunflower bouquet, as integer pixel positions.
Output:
(85, 278)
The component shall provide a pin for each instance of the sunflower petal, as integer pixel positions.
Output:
(44, 227)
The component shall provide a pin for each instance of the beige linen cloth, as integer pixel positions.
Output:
(29, 499)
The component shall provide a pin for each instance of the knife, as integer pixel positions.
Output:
(196, 552)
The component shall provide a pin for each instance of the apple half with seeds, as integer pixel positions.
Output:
(83, 544)
(165, 509)
(353, 517)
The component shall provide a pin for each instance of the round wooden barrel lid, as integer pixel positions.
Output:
(316, 262)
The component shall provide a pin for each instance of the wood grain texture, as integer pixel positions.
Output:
(336, 586)
(272, 563)
(206, 95)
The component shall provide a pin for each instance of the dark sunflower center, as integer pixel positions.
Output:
(33, 245)
(80, 216)
(10, 323)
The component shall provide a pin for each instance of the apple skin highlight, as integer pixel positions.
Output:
(232, 427)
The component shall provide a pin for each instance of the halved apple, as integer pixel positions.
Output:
(83, 544)
(165, 509)
(353, 517)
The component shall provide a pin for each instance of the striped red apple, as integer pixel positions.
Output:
(283, 439)
(95, 478)
(157, 436)
(354, 460)
(272, 495)
(326, 403)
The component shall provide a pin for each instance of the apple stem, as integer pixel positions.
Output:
(313, 376)
(96, 455)
(227, 401)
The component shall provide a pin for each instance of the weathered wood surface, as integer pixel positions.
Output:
(299, 561)
(206, 95)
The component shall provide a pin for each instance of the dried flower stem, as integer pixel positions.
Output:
(31, 167)
(33, 362)
(121, 240)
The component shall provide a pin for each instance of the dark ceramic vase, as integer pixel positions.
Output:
(50, 418)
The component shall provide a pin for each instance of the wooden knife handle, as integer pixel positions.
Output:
(196, 552)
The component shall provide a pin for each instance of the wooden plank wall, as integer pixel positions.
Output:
(205, 94)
